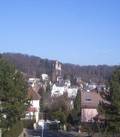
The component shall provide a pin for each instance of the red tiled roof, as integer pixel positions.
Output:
(33, 95)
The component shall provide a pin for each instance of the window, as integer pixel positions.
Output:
(88, 99)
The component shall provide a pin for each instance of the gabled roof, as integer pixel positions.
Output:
(33, 95)
(90, 99)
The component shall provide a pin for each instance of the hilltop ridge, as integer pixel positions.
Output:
(34, 66)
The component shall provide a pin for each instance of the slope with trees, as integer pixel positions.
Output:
(35, 66)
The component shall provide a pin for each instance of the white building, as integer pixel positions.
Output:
(45, 77)
(60, 90)
(72, 92)
(33, 81)
(92, 86)
(67, 83)
(34, 109)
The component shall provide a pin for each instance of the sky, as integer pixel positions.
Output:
(84, 32)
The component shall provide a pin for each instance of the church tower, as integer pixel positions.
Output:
(57, 71)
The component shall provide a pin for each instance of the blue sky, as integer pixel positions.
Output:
(84, 32)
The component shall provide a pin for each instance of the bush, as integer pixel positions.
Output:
(28, 124)
(54, 126)
(17, 128)
(14, 131)
(59, 116)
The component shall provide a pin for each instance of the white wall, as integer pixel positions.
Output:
(44, 77)
(34, 104)
(57, 91)
(72, 92)
(87, 115)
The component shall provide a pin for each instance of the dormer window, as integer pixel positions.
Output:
(88, 99)
(57, 91)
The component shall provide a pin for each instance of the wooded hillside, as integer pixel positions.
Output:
(35, 66)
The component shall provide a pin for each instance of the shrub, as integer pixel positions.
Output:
(28, 124)
(59, 116)
(15, 130)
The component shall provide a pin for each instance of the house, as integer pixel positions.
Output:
(57, 90)
(45, 77)
(72, 92)
(61, 89)
(33, 82)
(60, 80)
(67, 83)
(92, 86)
(89, 103)
(34, 108)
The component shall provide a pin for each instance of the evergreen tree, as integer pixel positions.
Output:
(77, 102)
(76, 113)
(13, 95)
(110, 106)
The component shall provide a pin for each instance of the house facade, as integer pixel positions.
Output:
(59, 90)
(34, 108)
(89, 103)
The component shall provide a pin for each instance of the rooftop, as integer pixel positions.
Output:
(33, 95)
(90, 99)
